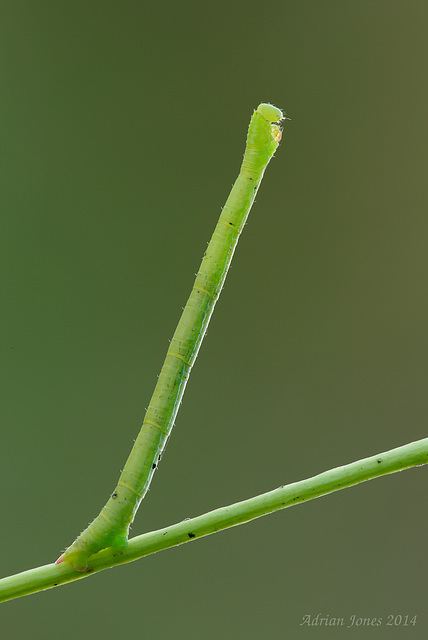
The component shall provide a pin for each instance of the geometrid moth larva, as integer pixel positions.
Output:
(111, 527)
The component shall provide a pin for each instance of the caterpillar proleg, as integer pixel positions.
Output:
(111, 527)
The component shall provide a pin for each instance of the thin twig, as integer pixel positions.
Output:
(53, 575)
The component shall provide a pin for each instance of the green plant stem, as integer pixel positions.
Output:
(52, 575)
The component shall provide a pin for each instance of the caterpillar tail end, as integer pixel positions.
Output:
(81, 551)
(78, 560)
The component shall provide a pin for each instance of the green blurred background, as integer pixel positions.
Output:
(122, 130)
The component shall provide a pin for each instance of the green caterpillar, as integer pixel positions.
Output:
(111, 527)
